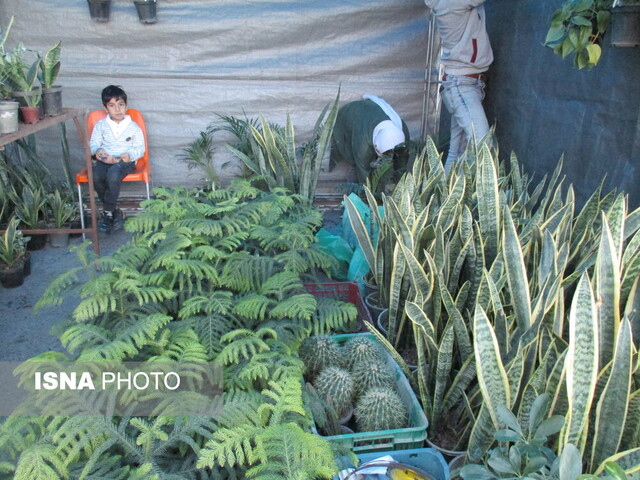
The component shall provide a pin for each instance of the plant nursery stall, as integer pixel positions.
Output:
(238, 58)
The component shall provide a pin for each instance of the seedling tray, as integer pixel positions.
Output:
(412, 436)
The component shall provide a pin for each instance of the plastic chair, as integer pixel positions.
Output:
(142, 172)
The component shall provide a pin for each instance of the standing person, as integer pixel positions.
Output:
(466, 56)
(117, 142)
(364, 131)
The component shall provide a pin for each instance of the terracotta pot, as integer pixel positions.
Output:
(30, 115)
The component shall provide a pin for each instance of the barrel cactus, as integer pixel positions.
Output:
(373, 375)
(318, 352)
(380, 409)
(335, 385)
(363, 350)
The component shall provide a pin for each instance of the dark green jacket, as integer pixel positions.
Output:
(353, 135)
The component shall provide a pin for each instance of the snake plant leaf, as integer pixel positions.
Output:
(421, 321)
(443, 371)
(397, 295)
(492, 376)
(616, 218)
(448, 212)
(632, 223)
(516, 275)
(630, 268)
(631, 434)
(581, 365)
(421, 281)
(585, 219)
(612, 408)
(362, 234)
(488, 203)
(607, 291)
(459, 325)
(481, 436)
(629, 460)
(632, 311)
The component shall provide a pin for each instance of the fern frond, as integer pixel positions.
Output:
(217, 302)
(298, 306)
(332, 315)
(281, 285)
(289, 453)
(284, 402)
(41, 461)
(244, 344)
(253, 306)
(230, 446)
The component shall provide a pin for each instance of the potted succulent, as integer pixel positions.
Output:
(146, 11)
(22, 78)
(49, 67)
(625, 23)
(29, 207)
(61, 210)
(12, 255)
(8, 107)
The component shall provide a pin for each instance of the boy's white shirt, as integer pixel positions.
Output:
(119, 145)
(118, 128)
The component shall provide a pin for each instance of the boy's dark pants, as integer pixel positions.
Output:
(107, 179)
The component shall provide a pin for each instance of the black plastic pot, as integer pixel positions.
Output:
(625, 26)
(13, 276)
(52, 101)
(146, 11)
(99, 10)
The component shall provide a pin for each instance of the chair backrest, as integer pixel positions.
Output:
(96, 115)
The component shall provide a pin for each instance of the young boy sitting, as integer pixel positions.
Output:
(116, 143)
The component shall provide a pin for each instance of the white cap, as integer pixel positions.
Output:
(387, 136)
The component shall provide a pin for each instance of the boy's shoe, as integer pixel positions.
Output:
(118, 220)
(106, 222)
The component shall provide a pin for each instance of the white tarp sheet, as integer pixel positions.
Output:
(232, 57)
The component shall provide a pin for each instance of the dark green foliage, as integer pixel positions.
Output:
(216, 275)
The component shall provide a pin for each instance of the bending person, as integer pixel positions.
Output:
(466, 56)
(365, 131)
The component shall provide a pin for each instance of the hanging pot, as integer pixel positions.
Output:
(52, 101)
(8, 117)
(99, 10)
(30, 115)
(146, 11)
(625, 26)
(12, 276)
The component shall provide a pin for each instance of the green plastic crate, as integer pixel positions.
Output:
(412, 436)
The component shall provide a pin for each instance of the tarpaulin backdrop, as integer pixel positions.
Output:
(232, 57)
(545, 108)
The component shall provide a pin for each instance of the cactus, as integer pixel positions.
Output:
(367, 376)
(380, 409)
(363, 350)
(335, 385)
(318, 352)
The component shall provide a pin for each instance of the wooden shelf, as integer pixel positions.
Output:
(77, 115)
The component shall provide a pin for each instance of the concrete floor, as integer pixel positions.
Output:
(24, 332)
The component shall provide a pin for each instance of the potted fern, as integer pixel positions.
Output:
(49, 67)
(12, 255)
